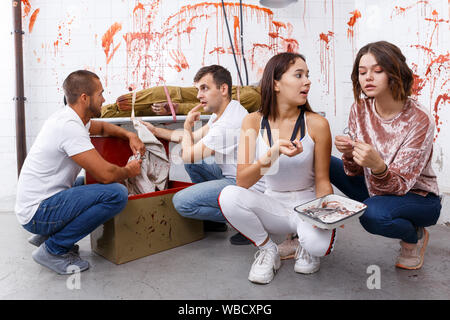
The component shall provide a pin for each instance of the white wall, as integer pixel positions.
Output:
(8, 170)
(167, 41)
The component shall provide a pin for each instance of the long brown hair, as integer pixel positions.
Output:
(393, 62)
(274, 70)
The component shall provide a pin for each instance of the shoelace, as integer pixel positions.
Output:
(73, 257)
(262, 254)
(303, 254)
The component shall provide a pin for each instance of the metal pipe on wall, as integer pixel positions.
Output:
(21, 147)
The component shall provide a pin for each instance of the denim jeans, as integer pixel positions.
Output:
(387, 215)
(72, 214)
(200, 201)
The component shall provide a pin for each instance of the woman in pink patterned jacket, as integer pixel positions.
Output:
(386, 156)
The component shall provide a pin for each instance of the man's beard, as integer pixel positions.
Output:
(95, 111)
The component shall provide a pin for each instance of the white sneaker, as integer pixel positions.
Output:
(304, 262)
(267, 262)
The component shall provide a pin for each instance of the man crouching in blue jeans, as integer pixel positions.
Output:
(216, 141)
(50, 202)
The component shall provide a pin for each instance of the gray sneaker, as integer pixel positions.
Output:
(67, 263)
(37, 240)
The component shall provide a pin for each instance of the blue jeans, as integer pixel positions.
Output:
(387, 215)
(72, 214)
(200, 200)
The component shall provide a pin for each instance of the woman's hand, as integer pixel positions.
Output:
(365, 155)
(289, 148)
(344, 145)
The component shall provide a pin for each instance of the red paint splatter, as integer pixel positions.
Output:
(107, 41)
(63, 37)
(137, 7)
(150, 45)
(26, 8)
(324, 39)
(351, 23)
(180, 60)
(433, 68)
(436, 22)
(402, 10)
(288, 44)
(204, 48)
(445, 99)
(33, 20)
(220, 50)
(279, 24)
(351, 28)
(236, 32)
(26, 11)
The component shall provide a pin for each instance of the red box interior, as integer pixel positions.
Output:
(118, 151)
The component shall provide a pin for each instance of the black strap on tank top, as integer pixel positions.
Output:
(300, 123)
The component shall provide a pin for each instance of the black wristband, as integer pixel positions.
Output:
(381, 173)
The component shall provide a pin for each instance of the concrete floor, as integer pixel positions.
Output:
(212, 268)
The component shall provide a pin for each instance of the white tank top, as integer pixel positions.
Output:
(290, 173)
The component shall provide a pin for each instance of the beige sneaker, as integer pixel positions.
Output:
(412, 254)
(287, 248)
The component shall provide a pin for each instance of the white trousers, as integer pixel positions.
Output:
(256, 215)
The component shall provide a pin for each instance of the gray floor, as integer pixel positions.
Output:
(212, 268)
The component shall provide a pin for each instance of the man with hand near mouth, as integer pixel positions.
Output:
(210, 152)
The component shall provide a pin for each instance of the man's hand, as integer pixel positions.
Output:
(192, 116)
(365, 155)
(134, 168)
(136, 144)
(149, 126)
(344, 145)
(163, 108)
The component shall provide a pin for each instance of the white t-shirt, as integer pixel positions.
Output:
(48, 168)
(223, 138)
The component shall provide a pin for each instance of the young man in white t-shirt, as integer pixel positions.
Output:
(51, 202)
(214, 145)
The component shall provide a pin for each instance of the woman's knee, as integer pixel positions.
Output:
(319, 243)
(374, 221)
(229, 197)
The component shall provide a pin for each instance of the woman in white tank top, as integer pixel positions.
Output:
(290, 145)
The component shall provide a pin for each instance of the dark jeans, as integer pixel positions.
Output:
(72, 214)
(387, 215)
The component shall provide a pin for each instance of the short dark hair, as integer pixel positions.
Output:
(77, 83)
(393, 62)
(274, 70)
(220, 76)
